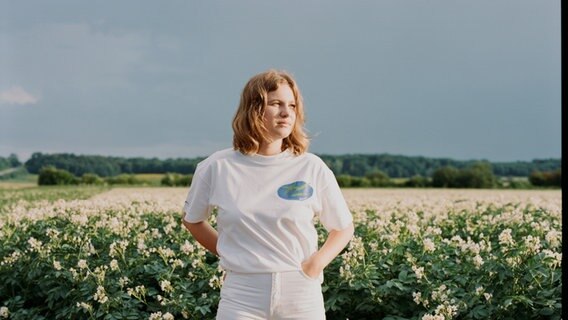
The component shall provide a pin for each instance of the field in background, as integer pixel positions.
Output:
(121, 253)
(154, 180)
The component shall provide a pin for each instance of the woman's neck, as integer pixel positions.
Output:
(270, 149)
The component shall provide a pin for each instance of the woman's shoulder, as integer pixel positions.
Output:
(216, 156)
(314, 159)
(221, 154)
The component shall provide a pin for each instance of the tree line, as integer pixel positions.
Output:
(479, 175)
(476, 175)
(9, 162)
(49, 176)
(356, 165)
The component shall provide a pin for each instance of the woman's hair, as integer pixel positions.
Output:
(248, 127)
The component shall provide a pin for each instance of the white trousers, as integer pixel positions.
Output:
(278, 295)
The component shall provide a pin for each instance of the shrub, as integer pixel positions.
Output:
(378, 179)
(445, 177)
(91, 178)
(124, 179)
(344, 180)
(417, 182)
(50, 175)
(361, 182)
(546, 178)
(176, 180)
(478, 175)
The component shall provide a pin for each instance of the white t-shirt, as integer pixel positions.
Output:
(265, 207)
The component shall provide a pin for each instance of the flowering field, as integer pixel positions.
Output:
(416, 254)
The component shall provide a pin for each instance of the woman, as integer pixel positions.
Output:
(267, 190)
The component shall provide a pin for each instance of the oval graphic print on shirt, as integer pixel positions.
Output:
(298, 190)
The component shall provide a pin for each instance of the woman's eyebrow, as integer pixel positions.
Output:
(280, 100)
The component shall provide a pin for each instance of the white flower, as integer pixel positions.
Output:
(553, 237)
(215, 282)
(155, 316)
(552, 259)
(123, 281)
(114, 265)
(176, 263)
(418, 271)
(417, 296)
(433, 317)
(166, 286)
(168, 316)
(532, 243)
(35, 244)
(505, 238)
(57, 265)
(85, 306)
(82, 264)
(478, 261)
(446, 310)
(187, 247)
(100, 295)
(4, 312)
(429, 245)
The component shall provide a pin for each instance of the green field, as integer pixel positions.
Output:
(121, 253)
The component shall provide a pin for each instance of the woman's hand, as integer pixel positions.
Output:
(204, 233)
(312, 267)
(335, 242)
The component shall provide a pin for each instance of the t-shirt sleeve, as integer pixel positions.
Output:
(197, 205)
(335, 214)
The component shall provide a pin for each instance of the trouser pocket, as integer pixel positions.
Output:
(307, 277)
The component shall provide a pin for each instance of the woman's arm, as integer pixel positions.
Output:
(204, 233)
(336, 241)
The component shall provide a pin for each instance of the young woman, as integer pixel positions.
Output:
(267, 190)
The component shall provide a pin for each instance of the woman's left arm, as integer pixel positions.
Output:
(335, 242)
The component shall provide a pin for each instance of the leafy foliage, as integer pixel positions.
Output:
(136, 261)
(11, 161)
(357, 165)
(546, 178)
(478, 175)
(176, 180)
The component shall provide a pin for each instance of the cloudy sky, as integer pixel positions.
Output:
(441, 78)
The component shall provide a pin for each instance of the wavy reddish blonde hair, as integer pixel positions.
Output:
(248, 127)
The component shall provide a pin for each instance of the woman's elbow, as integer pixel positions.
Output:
(187, 225)
(350, 230)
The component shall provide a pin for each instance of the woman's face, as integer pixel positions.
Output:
(280, 112)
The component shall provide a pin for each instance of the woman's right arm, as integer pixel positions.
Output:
(204, 233)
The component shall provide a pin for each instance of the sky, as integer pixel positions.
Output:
(441, 78)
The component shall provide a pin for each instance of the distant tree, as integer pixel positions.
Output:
(360, 182)
(50, 175)
(478, 175)
(445, 177)
(378, 178)
(546, 178)
(343, 180)
(176, 180)
(356, 165)
(91, 178)
(13, 160)
(417, 182)
(123, 179)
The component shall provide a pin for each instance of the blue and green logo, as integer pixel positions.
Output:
(298, 190)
